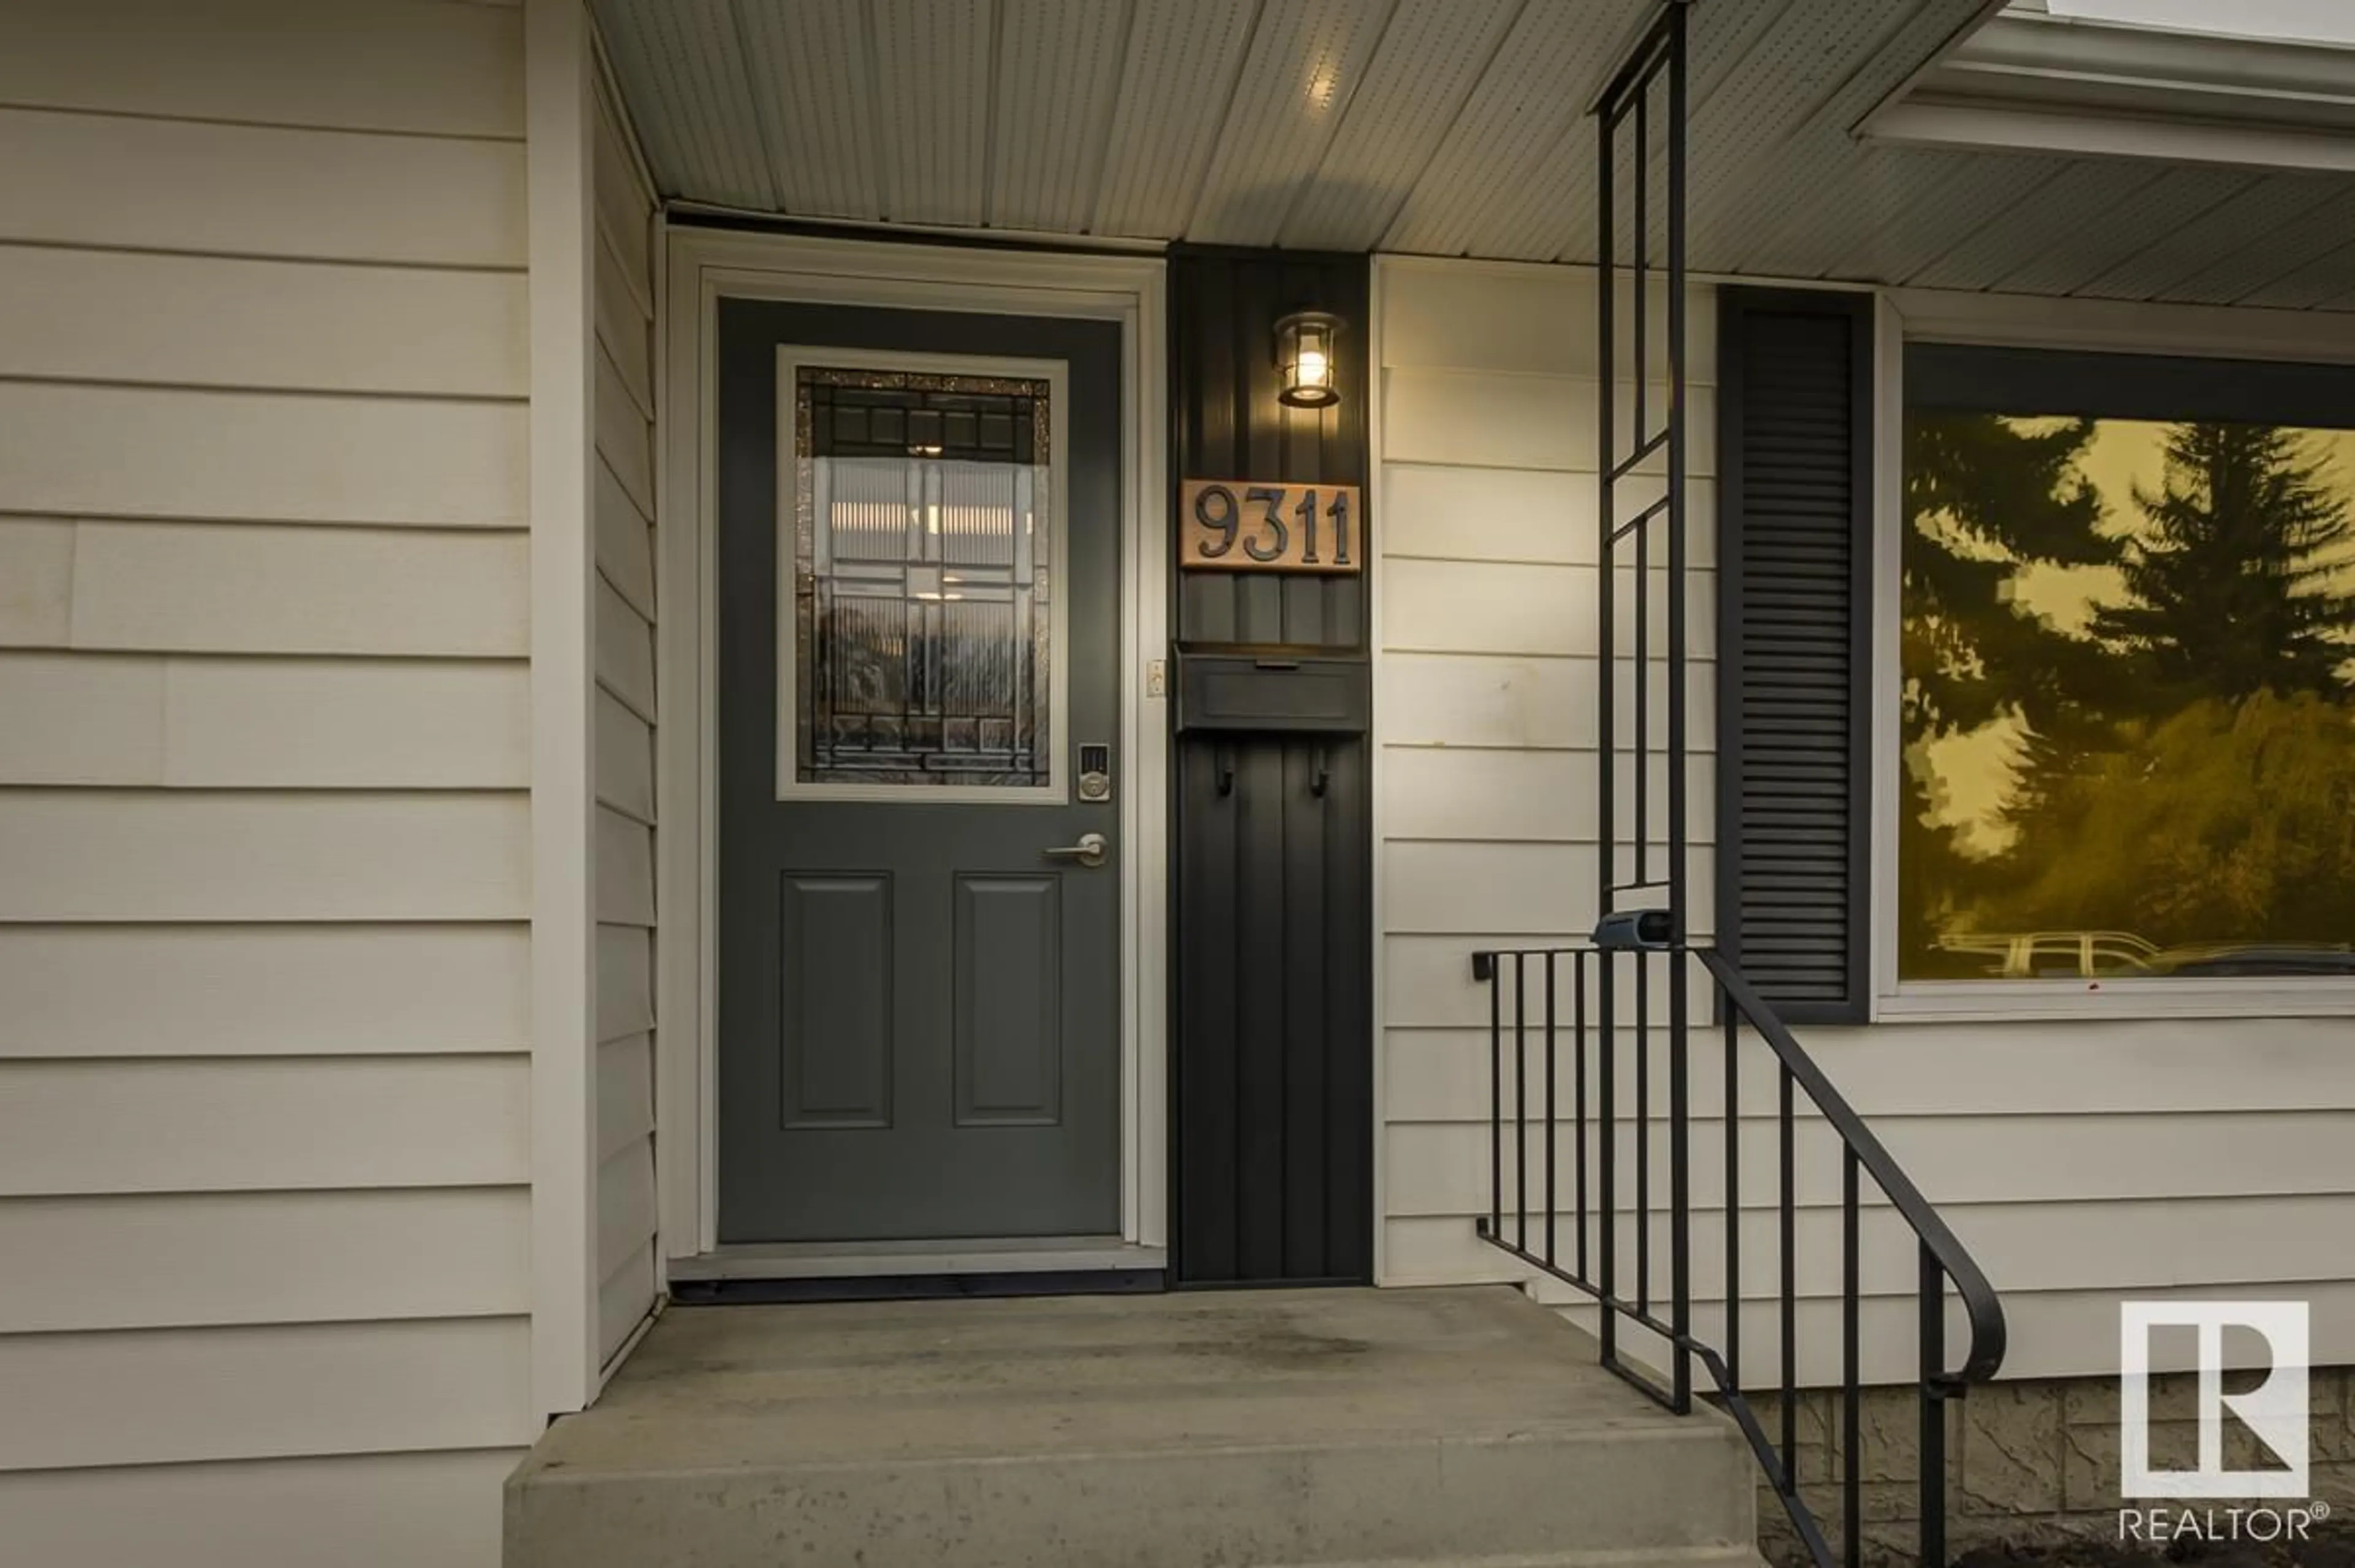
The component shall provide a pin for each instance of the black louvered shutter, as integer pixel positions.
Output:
(1794, 466)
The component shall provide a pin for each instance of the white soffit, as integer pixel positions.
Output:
(2286, 21)
(1459, 128)
(2092, 86)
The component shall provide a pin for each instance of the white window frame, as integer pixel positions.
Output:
(1938, 316)
(793, 358)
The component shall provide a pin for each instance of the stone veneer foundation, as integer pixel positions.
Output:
(2027, 1462)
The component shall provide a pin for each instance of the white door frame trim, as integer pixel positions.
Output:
(703, 266)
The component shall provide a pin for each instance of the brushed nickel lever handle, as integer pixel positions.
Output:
(1087, 851)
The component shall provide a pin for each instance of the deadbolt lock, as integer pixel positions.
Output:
(1095, 773)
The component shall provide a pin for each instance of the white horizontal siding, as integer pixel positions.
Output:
(625, 1092)
(624, 543)
(127, 855)
(2055, 1332)
(624, 441)
(1534, 798)
(382, 1510)
(1531, 892)
(357, 65)
(1442, 1167)
(626, 760)
(264, 754)
(625, 1202)
(211, 1259)
(219, 588)
(1535, 321)
(626, 1296)
(1448, 512)
(2131, 1253)
(201, 321)
(245, 190)
(153, 451)
(1438, 1017)
(1509, 607)
(173, 1395)
(36, 580)
(624, 205)
(276, 989)
(624, 652)
(624, 724)
(1479, 418)
(624, 981)
(284, 1124)
(625, 869)
(320, 723)
(2082, 1161)
(621, 324)
(1519, 702)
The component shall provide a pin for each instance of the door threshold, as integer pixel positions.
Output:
(884, 1260)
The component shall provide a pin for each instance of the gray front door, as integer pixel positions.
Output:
(919, 647)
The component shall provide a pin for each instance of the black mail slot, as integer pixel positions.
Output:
(1271, 694)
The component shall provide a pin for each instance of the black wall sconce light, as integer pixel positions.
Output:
(1305, 359)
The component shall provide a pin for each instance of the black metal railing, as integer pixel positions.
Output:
(1572, 1081)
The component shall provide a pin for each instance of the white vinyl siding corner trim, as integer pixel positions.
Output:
(565, 859)
(626, 545)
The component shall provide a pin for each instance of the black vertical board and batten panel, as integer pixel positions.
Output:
(1795, 672)
(1272, 1065)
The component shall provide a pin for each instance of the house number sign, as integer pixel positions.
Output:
(1236, 525)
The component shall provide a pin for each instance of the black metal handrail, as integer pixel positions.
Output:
(1576, 1008)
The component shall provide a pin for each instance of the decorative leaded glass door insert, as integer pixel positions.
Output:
(925, 635)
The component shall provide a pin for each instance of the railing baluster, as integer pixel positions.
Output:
(1851, 1388)
(1522, 1101)
(1640, 323)
(1496, 1103)
(1732, 1197)
(1606, 686)
(1639, 317)
(1606, 726)
(1786, 1218)
(1643, 1132)
(1933, 1411)
(1607, 1110)
(1578, 1065)
(1551, 1107)
(1679, 1187)
(1641, 779)
(1674, 756)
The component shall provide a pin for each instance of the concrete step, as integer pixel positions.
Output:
(1404, 1429)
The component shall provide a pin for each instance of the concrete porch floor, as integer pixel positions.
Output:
(1436, 1426)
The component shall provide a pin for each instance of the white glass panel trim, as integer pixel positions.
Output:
(864, 475)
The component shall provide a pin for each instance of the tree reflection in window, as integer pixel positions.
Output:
(2129, 698)
(923, 589)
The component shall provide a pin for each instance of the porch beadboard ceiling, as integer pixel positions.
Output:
(1447, 127)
